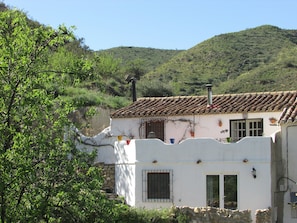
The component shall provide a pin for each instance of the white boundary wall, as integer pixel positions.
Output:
(189, 178)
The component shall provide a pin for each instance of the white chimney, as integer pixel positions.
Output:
(209, 95)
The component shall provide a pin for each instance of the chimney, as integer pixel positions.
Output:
(133, 80)
(133, 87)
(209, 95)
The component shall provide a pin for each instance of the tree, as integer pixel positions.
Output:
(136, 68)
(105, 66)
(43, 177)
(154, 88)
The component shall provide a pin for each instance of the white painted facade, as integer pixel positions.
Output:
(208, 145)
(288, 177)
(217, 158)
(189, 177)
(178, 127)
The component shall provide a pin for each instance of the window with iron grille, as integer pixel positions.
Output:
(245, 127)
(155, 126)
(157, 185)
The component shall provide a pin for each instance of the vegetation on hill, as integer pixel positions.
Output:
(148, 58)
(259, 59)
(44, 178)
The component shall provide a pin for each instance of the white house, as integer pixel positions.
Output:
(231, 151)
(286, 166)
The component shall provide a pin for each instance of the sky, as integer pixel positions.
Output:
(161, 24)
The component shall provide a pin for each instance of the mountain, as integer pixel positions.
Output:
(259, 59)
(253, 60)
(150, 58)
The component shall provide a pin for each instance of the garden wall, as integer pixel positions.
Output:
(216, 215)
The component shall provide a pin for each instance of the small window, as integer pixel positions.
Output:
(157, 185)
(245, 127)
(155, 126)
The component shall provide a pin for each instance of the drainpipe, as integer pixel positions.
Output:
(209, 95)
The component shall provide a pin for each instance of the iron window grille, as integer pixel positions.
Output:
(156, 126)
(157, 185)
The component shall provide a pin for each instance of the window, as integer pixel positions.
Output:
(157, 185)
(217, 184)
(230, 192)
(245, 127)
(156, 126)
(213, 191)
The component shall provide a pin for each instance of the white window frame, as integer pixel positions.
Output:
(221, 188)
(240, 128)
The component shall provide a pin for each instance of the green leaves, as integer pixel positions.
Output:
(43, 177)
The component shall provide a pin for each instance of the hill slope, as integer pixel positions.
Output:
(150, 57)
(259, 59)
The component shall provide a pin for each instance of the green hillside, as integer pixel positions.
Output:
(149, 58)
(259, 59)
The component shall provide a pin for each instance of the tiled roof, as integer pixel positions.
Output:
(289, 113)
(227, 103)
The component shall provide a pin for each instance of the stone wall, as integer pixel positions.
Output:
(108, 172)
(216, 215)
(263, 216)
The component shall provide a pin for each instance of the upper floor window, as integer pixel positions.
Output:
(245, 127)
(156, 127)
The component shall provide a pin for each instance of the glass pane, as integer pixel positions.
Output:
(260, 124)
(213, 190)
(158, 185)
(230, 192)
(259, 133)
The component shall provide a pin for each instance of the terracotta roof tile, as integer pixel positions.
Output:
(289, 113)
(228, 103)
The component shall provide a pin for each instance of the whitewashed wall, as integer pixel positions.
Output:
(102, 142)
(289, 152)
(179, 127)
(189, 178)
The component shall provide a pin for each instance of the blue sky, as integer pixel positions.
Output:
(162, 24)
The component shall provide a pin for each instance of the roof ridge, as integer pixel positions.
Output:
(180, 96)
(219, 95)
(225, 103)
